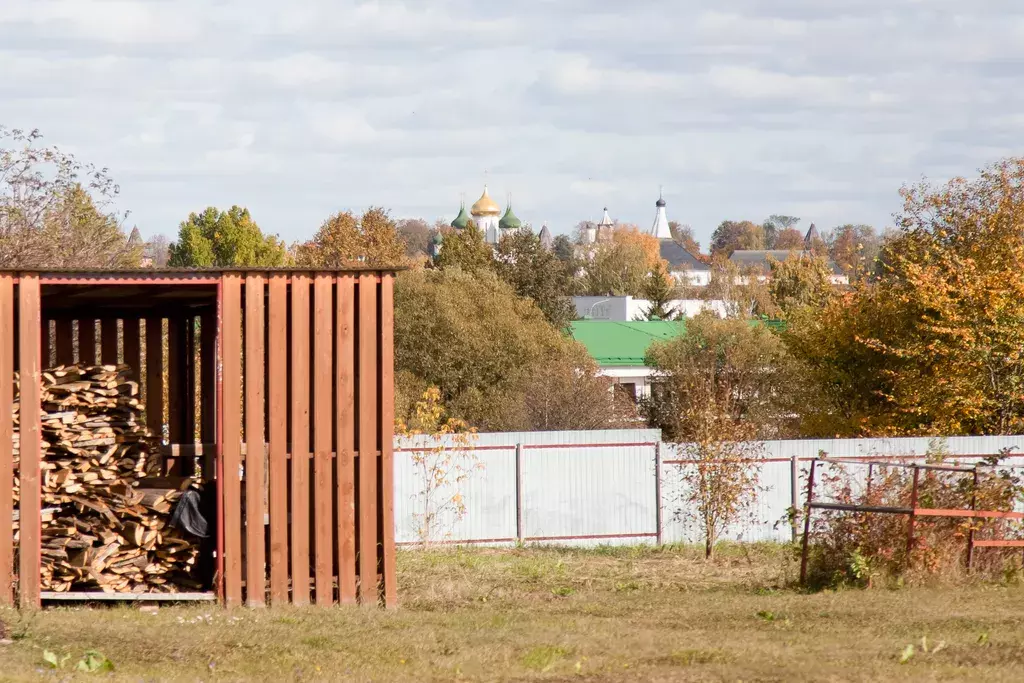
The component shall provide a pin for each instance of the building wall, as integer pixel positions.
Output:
(627, 308)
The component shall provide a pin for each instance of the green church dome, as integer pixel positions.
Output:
(462, 220)
(510, 221)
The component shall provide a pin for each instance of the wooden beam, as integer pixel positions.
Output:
(323, 425)
(300, 439)
(231, 340)
(277, 398)
(386, 498)
(108, 341)
(255, 576)
(368, 434)
(6, 438)
(30, 450)
(345, 383)
(65, 342)
(154, 376)
(87, 341)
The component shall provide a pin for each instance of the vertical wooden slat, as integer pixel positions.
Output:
(108, 341)
(387, 432)
(45, 345)
(87, 342)
(176, 362)
(231, 401)
(191, 401)
(345, 382)
(208, 386)
(300, 440)
(133, 348)
(30, 346)
(6, 438)
(255, 581)
(154, 376)
(368, 435)
(65, 342)
(323, 425)
(277, 396)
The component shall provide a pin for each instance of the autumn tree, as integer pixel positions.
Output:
(730, 236)
(854, 248)
(345, 239)
(684, 237)
(416, 234)
(56, 211)
(536, 273)
(743, 290)
(563, 249)
(800, 280)
(935, 343)
(619, 266)
(465, 249)
(774, 226)
(157, 251)
(789, 239)
(225, 238)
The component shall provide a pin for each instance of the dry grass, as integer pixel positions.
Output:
(549, 614)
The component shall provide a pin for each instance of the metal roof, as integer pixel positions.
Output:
(619, 344)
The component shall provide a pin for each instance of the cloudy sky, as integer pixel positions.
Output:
(814, 108)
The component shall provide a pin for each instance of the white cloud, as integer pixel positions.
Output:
(814, 109)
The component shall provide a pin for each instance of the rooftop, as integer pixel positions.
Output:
(620, 344)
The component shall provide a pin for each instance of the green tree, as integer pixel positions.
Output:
(536, 273)
(489, 352)
(774, 225)
(659, 289)
(465, 249)
(345, 240)
(563, 249)
(225, 238)
(744, 291)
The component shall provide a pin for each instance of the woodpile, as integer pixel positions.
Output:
(103, 525)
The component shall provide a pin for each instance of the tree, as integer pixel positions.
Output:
(684, 237)
(724, 372)
(536, 273)
(416, 234)
(799, 281)
(659, 289)
(492, 355)
(465, 249)
(934, 344)
(774, 225)
(157, 251)
(619, 266)
(563, 249)
(55, 211)
(345, 240)
(225, 238)
(854, 248)
(744, 291)
(732, 235)
(789, 239)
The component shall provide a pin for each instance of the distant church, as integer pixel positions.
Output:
(487, 216)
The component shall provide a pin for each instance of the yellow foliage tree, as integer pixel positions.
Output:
(345, 239)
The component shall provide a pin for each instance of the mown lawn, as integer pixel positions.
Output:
(639, 614)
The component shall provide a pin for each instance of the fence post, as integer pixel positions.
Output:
(913, 514)
(794, 487)
(970, 534)
(519, 494)
(807, 524)
(657, 494)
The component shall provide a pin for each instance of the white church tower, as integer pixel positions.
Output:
(660, 228)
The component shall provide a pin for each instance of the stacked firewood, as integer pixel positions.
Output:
(102, 528)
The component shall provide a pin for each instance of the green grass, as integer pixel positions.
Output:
(609, 614)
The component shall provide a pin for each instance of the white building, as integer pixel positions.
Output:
(628, 308)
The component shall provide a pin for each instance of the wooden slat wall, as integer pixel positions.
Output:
(367, 438)
(87, 342)
(6, 439)
(323, 423)
(108, 341)
(30, 367)
(255, 587)
(65, 342)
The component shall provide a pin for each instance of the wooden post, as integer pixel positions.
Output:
(6, 438)
(794, 495)
(345, 386)
(31, 444)
(386, 487)
(255, 573)
(970, 534)
(108, 341)
(368, 440)
(65, 341)
(87, 341)
(277, 394)
(300, 439)
(154, 375)
(323, 425)
(807, 524)
(231, 439)
(912, 522)
(520, 530)
(658, 521)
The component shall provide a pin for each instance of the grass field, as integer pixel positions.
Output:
(551, 614)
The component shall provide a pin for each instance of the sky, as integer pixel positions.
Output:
(739, 108)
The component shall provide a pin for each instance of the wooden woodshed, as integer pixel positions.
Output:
(294, 365)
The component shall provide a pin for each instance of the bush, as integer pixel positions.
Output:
(862, 548)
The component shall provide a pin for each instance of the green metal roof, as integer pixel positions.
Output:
(618, 344)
